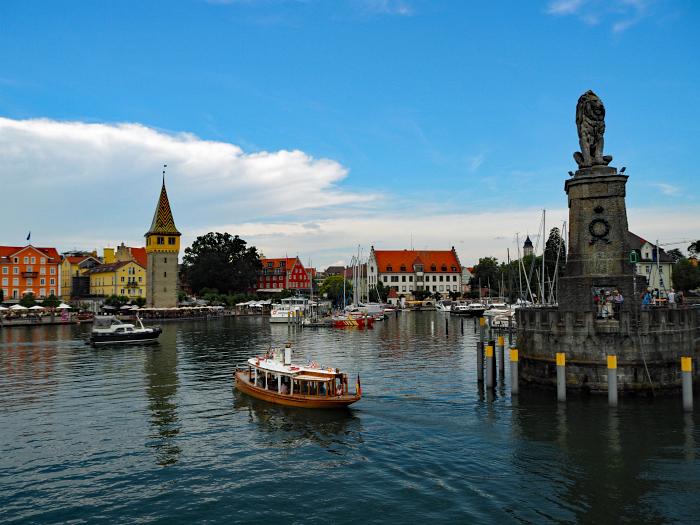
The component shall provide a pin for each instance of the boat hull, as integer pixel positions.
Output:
(130, 338)
(243, 384)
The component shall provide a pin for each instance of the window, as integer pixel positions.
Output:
(385, 279)
(394, 278)
(30, 281)
(433, 268)
(434, 278)
(42, 281)
(15, 270)
(33, 260)
(403, 288)
(52, 271)
(122, 291)
(371, 269)
(161, 240)
(52, 292)
(165, 274)
(42, 271)
(43, 260)
(122, 278)
(410, 278)
(269, 265)
(165, 260)
(26, 260)
(4, 281)
(5, 270)
(441, 278)
(454, 268)
(403, 267)
(441, 288)
(434, 288)
(444, 268)
(403, 278)
(418, 267)
(29, 269)
(15, 260)
(15, 294)
(42, 292)
(15, 281)
(389, 269)
(171, 240)
(454, 278)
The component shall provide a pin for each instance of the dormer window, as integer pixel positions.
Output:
(454, 268)
(433, 267)
(403, 267)
(444, 268)
(418, 267)
(389, 268)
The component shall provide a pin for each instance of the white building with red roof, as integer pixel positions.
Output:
(407, 271)
(29, 270)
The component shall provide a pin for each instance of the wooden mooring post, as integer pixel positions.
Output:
(612, 380)
(687, 379)
(490, 368)
(501, 356)
(561, 377)
(514, 371)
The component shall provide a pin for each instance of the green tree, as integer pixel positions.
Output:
(555, 247)
(686, 276)
(694, 248)
(221, 261)
(378, 294)
(51, 302)
(332, 287)
(140, 302)
(28, 300)
(422, 295)
(676, 254)
(486, 272)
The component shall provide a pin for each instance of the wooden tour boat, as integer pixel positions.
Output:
(274, 378)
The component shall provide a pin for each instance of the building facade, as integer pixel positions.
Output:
(122, 278)
(284, 274)
(75, 282)
(407, 271)
(658, 271)
(162, 250)
(29, 270)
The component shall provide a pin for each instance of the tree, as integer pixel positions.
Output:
(221, 261)
(486, 272)
(2, 295)
(422, 295)
(332, 287)
(676, 254)
(694, 248)
(686, 276)
(378, 294)
(51, 302)
(28, 300)
(140, 302)
(555, 247)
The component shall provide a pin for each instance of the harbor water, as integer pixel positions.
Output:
(157, 434)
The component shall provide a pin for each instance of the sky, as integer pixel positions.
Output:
(309, 127)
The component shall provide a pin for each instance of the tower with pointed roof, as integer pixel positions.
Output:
(527, 247)
(162, 250)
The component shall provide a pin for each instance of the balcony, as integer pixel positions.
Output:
(30, 275)
(132, 285)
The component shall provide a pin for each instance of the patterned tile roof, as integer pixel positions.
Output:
(163, 222)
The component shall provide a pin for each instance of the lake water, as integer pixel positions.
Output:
(157, 434)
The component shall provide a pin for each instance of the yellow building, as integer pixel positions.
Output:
(127, 278)
(74, 282)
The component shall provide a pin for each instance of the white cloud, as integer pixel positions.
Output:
(65, 177)
(667, 189)
(623, 14)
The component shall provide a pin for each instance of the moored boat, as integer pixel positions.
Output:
(275, 379)
(110, 330)
(469, 310)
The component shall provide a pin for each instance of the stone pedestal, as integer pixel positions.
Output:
(598, 240)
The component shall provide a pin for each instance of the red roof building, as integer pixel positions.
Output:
(286, 273)
(28, 269)
(406, 271)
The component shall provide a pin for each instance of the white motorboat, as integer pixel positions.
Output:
(444, 306)
(110, 330)
(289, 310)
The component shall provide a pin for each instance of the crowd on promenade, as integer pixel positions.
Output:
(609, 302)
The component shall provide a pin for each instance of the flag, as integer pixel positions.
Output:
(358, 386)
(29, 235)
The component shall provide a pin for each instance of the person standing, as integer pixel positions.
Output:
(618, 299)
(671, 298)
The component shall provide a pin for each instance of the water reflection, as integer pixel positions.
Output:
(290, 428)
(161, 374)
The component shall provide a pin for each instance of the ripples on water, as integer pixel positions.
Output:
(157, 434)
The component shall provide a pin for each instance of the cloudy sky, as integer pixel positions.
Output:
(311, 126)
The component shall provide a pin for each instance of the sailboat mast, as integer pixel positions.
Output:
(544, 229)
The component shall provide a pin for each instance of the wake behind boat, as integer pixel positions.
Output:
(110, 330)
(275, 379)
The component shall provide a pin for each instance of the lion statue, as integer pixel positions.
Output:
(590, 122)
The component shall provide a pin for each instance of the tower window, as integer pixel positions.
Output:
(171, 240)
(165, 274)
(165, 259)
(161, 240)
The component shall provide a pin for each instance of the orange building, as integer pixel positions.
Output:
(28, 269)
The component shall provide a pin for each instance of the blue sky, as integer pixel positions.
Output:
(400, 114)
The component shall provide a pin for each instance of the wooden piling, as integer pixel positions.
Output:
(480, 362)
(514, 371)
(501, 355)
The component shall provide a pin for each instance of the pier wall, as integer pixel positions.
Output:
(648, 345)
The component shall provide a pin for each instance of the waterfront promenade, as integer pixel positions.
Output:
(158, 434)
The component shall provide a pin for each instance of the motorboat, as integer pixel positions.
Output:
(289, 310)
(107, 329)
(444, 306)
(353, 318)
(274, 378)
(469, 310)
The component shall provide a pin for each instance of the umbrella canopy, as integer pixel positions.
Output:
(63, 306)
(108, 307)
(37, 307)
(126, 307)
(135, 307)
(2, 308)
(18, 307)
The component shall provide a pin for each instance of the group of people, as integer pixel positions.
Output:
(653, 298)
(608, 303)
